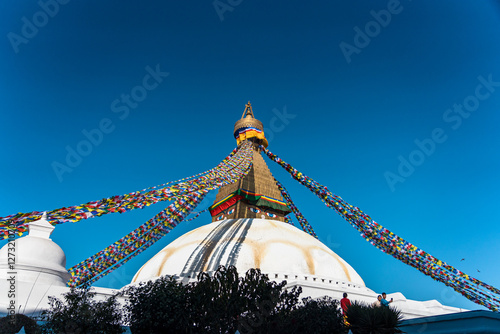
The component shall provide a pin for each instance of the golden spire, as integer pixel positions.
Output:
(248, 111)
(249, 127)
(255, 195)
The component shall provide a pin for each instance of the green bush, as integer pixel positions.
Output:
(267, 303)
(369, 319)
(218, 303)
(158, 306)
(12, 326)
(313, 316)
(80, 313)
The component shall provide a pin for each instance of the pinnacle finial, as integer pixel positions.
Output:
(41, 228)
(249, 127)
(248, 111)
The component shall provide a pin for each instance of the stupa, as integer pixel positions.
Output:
(248, 230)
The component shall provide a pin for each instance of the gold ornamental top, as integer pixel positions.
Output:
(255, 195)
(249, 127)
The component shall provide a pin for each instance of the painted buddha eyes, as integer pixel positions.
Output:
(254, 210)
(270, 214)
(225, 214)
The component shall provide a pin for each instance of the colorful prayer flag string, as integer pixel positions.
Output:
(196, 215)
(288, 220)
(306, 227)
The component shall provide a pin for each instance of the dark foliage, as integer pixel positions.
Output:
(321, 315)
(158, 306)
(80, 313)
(268, 303)
(10, 325)
(366, 319)
(218, 303)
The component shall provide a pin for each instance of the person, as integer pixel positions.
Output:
(384, 301)
(377, 302)
(345, 303)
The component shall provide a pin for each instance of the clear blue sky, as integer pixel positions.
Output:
(355, 105)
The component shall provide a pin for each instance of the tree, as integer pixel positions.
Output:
(80, 313)
(321, 315)
(369, 319)
(158, 306)
(225, 302)
(268, 303)
(216, 301)
(219, 303)
(9, 325)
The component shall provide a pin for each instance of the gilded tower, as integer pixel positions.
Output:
(256, 195)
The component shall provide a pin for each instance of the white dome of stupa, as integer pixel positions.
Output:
(273, 246)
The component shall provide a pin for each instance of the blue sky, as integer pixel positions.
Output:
(400, 119)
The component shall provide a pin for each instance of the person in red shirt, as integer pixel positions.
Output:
(345, 303)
